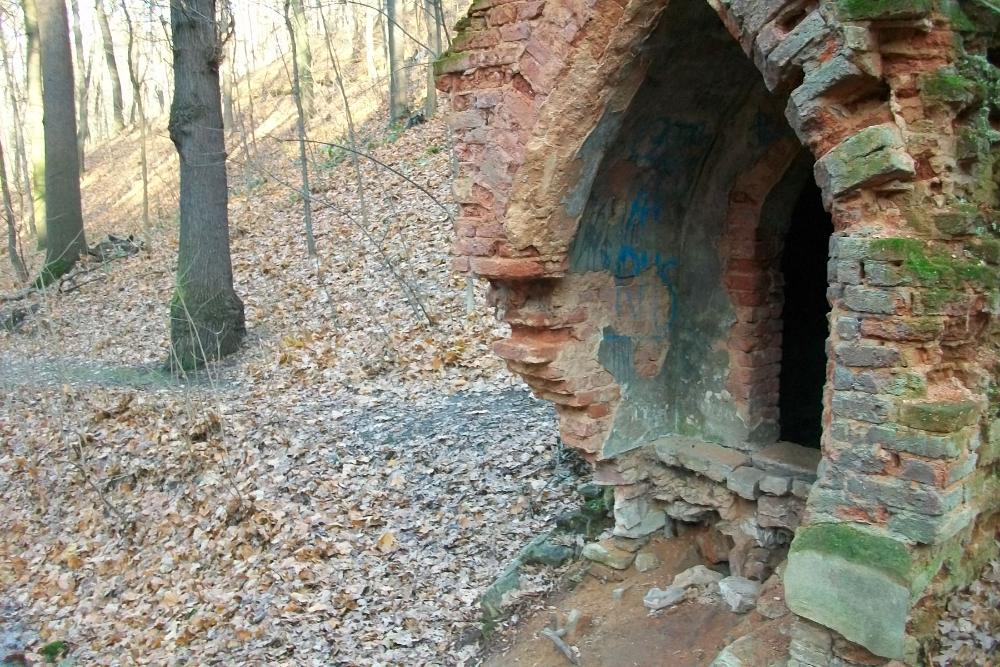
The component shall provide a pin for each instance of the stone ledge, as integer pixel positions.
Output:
(789, 459)
(714, 461)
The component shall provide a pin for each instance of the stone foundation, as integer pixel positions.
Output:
(632, 179)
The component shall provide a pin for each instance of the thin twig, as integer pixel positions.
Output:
(563, 647)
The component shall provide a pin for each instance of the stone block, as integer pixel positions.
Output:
(939, 417)
(849, 247)
(637, 517)
(848, 271)
(884, 274)
(834, 72)
(800, 489)
(784, 512)
(778, 60)
(810, 645)
(861, 406)
(854, 581)
(607, 554)
(925, 529)
(739, 594)
(867, 356)
(900, 439)
(788, 459)
(709, 459)
(906, 495)
(848, 327)
(687, 512)
(656, 599)
(872, 300)
(870, 157)
(776, 486)
(745, 482)
(696, 576)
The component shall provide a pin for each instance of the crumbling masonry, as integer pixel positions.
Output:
(638, 181)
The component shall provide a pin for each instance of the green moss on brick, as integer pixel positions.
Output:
(873, 10)
(933, 266)
(857, 545)
(947, 85)
(938, 417)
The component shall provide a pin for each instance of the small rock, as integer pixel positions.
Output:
(546, 553)
(661, 599)
(739, 594)
(699, 575)
(618, 593)
(628, 544)
(646, 561)
(608, 554)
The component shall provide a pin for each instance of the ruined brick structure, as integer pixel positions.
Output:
(652, 187)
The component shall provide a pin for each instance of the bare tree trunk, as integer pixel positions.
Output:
(20, 149)
(36, 135)
(206, 316)
(251, 66)
(133, 73)
(397, 68)
(227, 94)
(63, 213)
(8, 212)
(300, 127)
(118, 106)
(434, 42)
(82, 85)
(303, 54)
(370, 66)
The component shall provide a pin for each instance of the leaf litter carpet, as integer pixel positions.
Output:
(339, 492)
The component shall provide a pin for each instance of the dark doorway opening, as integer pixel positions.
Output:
(803, 345)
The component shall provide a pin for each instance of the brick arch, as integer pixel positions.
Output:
(541, 83)
(883, 94)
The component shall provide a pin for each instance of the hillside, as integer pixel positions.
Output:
(339, 492)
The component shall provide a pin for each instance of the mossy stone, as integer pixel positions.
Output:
(938, 417)
(875, 10)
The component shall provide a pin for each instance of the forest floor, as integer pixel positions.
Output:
(339, 492)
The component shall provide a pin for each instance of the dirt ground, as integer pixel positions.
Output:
(622, 632)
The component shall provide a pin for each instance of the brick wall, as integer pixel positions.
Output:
(898, 102)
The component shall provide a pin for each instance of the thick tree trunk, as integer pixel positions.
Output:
(303, 57)
(397, 68)
(63, 214)
(118, 106)
(8, 213)
(36, 135)
(206, 315)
